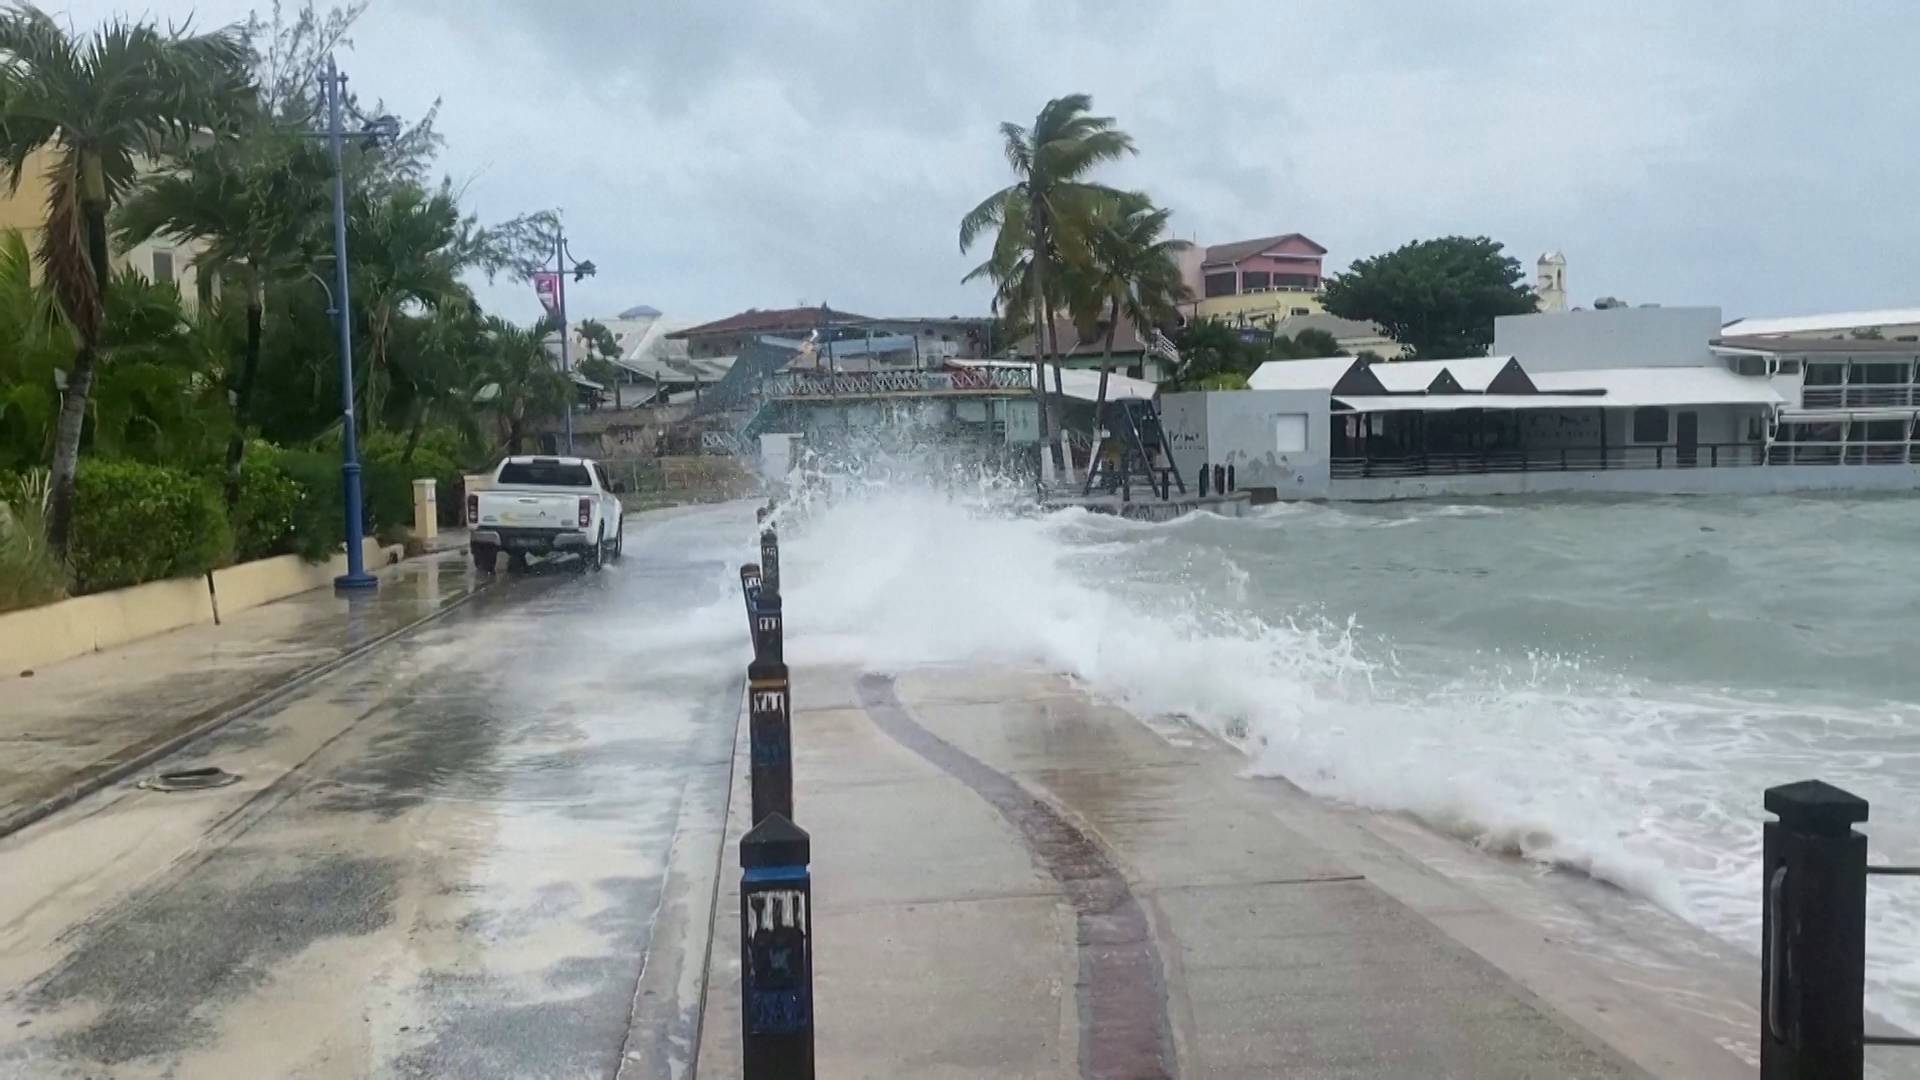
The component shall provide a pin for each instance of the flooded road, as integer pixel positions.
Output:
(468, 854)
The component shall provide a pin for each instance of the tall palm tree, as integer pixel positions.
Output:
(408, 247)
(1131, 269)
(1040, 216)
(518, 382)
(97, 105)
(254, 206)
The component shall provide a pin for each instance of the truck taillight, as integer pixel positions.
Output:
(473, 509)
(586, 512)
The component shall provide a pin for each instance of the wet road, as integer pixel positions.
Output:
(455, 857)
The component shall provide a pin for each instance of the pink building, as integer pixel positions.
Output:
(1271, 262)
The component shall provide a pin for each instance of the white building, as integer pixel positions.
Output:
(1647, 400)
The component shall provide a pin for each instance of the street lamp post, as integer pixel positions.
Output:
(582, 269)
(356, 577)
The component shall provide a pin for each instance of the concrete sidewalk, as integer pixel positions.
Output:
(1012, 880)
(74, 727)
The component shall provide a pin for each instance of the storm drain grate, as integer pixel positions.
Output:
(206, 776)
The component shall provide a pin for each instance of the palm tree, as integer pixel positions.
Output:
(408, 248)
(602, 350)
(1132, 270)
(519, 383)
(1040, 217)
(253, 205)
(97, 105)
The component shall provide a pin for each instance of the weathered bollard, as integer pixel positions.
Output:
(1220, 479)
(750, 588)
(769, 561)
(1813, 917)
(776, 952)
(770, 737)
(1230, 482)
(1203, 479)
(769, 627)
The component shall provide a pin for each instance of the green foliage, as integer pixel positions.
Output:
(30, 570)
(319, 521)
(1438, 297)
(265, 517)
(1221, 357)
(135, 523)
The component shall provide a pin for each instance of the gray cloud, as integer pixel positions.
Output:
(716, 154)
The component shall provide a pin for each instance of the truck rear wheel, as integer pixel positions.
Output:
(516, 562)
(484, 556)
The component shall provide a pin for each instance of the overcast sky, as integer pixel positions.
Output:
(713, 155)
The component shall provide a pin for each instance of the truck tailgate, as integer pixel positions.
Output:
(528, 510)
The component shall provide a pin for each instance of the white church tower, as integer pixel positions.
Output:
(1551, 281)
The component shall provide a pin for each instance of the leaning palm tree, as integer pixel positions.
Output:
(254, 206)
(96, 106)
(1040, 216)
(409, 248)
(518, 382)
(1131, 269)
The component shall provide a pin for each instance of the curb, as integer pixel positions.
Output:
(113, 774)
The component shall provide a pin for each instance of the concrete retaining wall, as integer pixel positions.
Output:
(51, 633)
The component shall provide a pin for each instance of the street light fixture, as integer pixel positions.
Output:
(582, 269)
(383, 128)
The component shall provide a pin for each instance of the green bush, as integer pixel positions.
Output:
(30, 572)
(264, 518)
(135, 523)
(319, 520)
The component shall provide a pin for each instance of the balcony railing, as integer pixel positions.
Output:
(815, 384)
(1863, 452)
(1900, 396)
(1570, 459)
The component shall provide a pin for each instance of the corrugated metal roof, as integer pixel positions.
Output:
(1319, 373)
(1629, 387)
(1832, 322)
(1473, 373)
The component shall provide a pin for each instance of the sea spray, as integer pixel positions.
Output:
(1478, 667)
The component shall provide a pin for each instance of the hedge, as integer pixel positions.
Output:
(135, 523)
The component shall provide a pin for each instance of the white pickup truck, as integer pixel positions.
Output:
(542, 505)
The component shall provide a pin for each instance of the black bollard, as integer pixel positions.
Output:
(769, 560)
(770, 738)
(769, 627)
(1220, 479)
(1230, 483)
(1813, 938)
(776, 952)
(750, 588)
(760, 515)
(1203, 479)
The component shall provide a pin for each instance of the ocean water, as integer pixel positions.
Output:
(1601, 687)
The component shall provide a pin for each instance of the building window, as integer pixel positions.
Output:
(1254, 279)
(1789, 367)
(1290, 433)
(1222, 284)
(1650, 424)
(1300, 311)
(163, 267)
(1296, 281)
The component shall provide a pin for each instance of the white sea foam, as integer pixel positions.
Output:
(1651, 785)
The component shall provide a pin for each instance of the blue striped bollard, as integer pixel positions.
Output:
(769, 560)
(776, 952)
(769, 738)
(750, 588)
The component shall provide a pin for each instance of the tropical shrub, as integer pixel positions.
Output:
(269, 505)
(135, 523)
(30, 571)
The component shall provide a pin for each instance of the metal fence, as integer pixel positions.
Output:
(1568, 459)
(812, 384)
(1893, 395)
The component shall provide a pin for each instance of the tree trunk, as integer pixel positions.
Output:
(243, 395)
(1062, 454)
(1040, 369)
(413, 433)
(1100, 398)
(73, 404)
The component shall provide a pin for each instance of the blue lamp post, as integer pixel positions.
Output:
(356, 578)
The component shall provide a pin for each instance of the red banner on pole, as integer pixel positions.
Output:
(546, 285)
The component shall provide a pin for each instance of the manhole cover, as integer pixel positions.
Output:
(189, 779)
